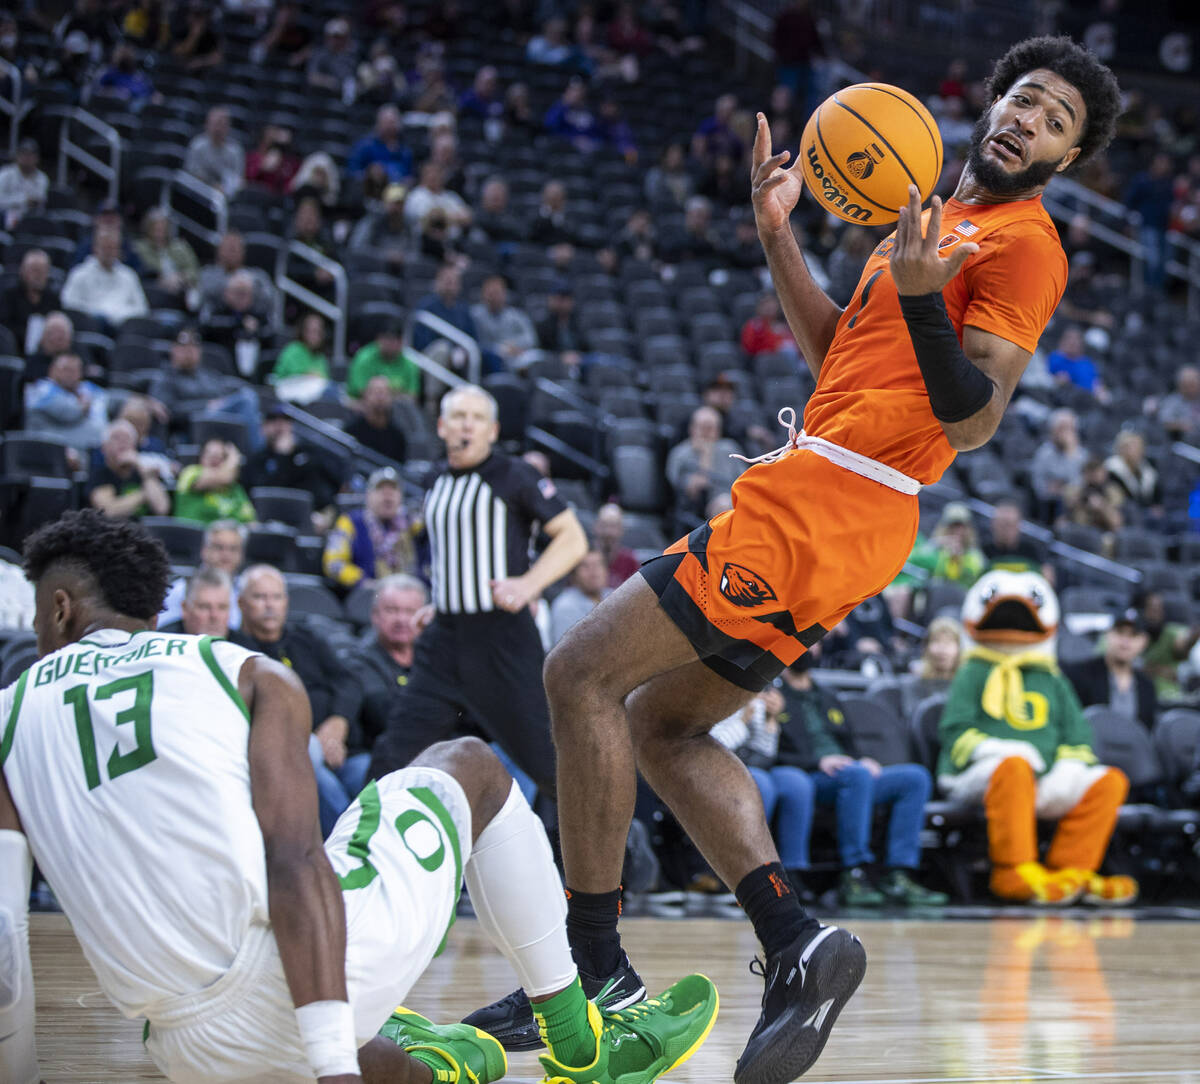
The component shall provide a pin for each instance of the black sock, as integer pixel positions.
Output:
(769, 902)
(592, 930)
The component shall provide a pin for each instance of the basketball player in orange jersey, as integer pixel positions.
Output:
(920, 364)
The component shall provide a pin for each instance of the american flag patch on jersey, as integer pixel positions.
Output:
(966, 227)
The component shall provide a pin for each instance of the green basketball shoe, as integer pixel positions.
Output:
(638, 1044)
(456, 1053)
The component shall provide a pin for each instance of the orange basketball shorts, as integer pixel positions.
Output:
(805, 542)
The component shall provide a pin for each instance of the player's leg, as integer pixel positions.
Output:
(811, 971)
(518, 898)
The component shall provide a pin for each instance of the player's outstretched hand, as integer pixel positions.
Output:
(916, 266)
(774, 191)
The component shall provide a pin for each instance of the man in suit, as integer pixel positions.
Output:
(1112, 678)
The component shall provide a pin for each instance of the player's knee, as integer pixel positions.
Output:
(472, 762)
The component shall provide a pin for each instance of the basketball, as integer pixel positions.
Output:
(864, 146)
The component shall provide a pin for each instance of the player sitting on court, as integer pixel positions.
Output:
(162, 783)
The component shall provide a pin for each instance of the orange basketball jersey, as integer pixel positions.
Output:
(870, 397)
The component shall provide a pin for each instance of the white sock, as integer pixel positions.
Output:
(518, 897)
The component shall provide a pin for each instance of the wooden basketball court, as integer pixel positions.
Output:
(1049, 998)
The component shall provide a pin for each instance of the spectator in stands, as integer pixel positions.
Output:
(223, 548)
(485, 99)
(384, 357)
(1134, 484)
(608, 530)
(670, 183)
(186, 388)
(493, 219)
(560, 330)
(141, 412)
(104, 287)
(290, 35)
(701, 466)
(1083, 302)
(552, 48)
(587, 586)
(845, 262)
(196, 36)
(71, 63)
(231, 258)
(240, 324)
(378, 78)
(375, 427)
(941, 653)
(443, 149)
(766, 332)
(331, 67)
(1168, 644)
(1149, 196)
(744, 250)
(125, 484)
(615, 132)
(23, 186)
(107, 217)
(1070, 364)
(284, 460)
(206, 604)
(1093, 502)
(303, 362)
(503, 330)
(378, 540)
(431, 194)
(812, 736)
(1057, 464)
(209, 489)
(167, 262)
(1114, 677)
(266, 629)
(865, 640)
(715, 135)
(551, 225)
(519, 118)
(720, 393)
(696, 241)
(380, 667)
(446, 301)
(273, 163)
(214, 156)
(1179, 412)
(722, 181)
(66, 406)
(318, 179)
(431, 94)
(1006, 548)
(28, 302)
(57, 338)
(638, 239)
(796, 39)
(959, 559)
(570, 118)
(123, 79)
(387, 230)
(383, 149)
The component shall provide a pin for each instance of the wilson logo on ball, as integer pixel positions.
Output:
(861, 164)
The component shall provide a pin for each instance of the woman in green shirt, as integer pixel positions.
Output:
(305, 356)
(209, 490)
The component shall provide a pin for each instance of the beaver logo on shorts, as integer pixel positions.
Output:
(745, 588)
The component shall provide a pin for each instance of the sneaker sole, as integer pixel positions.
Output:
(794, 1044)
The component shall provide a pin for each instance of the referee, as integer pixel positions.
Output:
(480, 657)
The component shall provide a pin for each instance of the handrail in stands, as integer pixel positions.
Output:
(333, 311)
(196, 189)
(536, 435)
(446, 330)
(69, 150)
(565, 395)
(434, 368)
(14, 108)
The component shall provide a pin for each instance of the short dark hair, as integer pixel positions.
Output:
(1095, 83)
(127, 564)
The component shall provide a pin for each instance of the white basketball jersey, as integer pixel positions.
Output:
(127, 759)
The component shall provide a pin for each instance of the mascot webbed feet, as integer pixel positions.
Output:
(1031, 882)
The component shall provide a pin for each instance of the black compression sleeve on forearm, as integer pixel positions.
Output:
(957, 388)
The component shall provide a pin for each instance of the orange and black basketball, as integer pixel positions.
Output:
(864, 146)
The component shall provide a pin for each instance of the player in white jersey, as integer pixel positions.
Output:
(162, 782)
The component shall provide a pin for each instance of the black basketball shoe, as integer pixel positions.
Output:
(510, 1020)
(807, 984)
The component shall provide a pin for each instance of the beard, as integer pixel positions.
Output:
(994, 177)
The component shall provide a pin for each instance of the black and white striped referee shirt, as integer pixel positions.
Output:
(479, 521)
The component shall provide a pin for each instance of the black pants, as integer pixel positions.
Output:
(484, 669)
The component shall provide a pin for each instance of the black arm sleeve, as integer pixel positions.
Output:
(957, 388)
